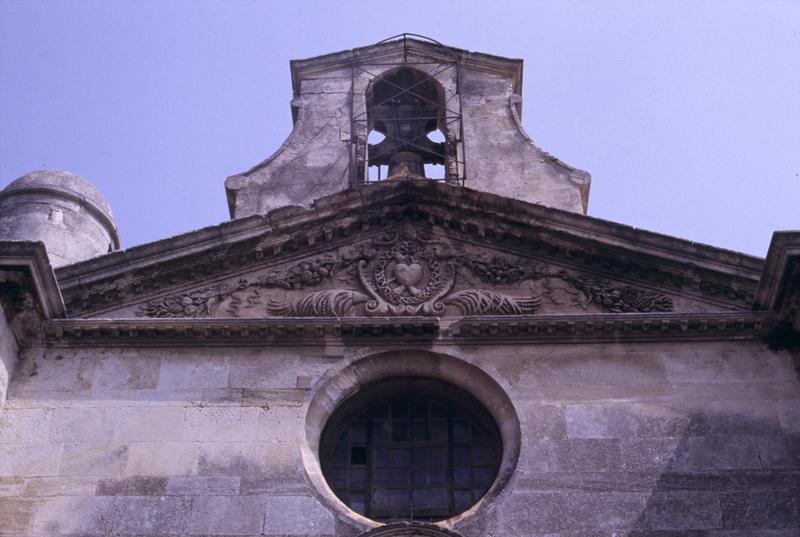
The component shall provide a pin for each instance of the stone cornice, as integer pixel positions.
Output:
(25, 263)
(784, 250)
(721, 277)
(431, 51)
(299, 331)
(779, 288)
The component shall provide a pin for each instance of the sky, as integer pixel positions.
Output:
(687, 114)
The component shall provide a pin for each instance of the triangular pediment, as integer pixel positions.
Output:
(411, 249)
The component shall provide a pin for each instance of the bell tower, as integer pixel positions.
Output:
(406, 108)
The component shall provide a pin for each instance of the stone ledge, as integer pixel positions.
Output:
(387, 330)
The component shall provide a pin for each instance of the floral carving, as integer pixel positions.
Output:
(625, 299)
(196, 303)
(500, 271)
(305, 274)
(334, 303)
(486, 302)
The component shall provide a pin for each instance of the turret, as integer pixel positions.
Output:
(64, 211)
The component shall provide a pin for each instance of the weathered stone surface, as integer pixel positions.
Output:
(60, 486)
(683, 511)
(542, 421)
(70, 515)
(226, 515)
(152, 515)
(235, 424)
(32, 460)
(642, 454)
(789, 415)
(297, 515)
(768, 509)
(779, 451)
(93, 459)
(240, 459)
(132, 486)
(589, 455)
(184, 372)
(16, 516)
(526, 514)
(203, 486)
(64, 211)
(85, 425)
(716, 453)
(599, 421)
(8, 354)
(24, 425)
(157, 424)
(161, 458)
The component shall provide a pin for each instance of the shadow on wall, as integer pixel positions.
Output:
(727, 475)
(722, 469)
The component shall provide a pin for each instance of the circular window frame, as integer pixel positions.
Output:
(342, 383)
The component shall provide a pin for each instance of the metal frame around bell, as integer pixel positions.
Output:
(454, 155)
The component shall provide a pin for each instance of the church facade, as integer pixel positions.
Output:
(409, 327)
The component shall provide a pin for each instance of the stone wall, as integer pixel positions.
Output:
(637, 439)
(8, 354)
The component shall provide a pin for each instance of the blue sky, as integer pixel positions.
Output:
(687, 114)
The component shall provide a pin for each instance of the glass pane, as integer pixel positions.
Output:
(381, 476)
(401, 500)
(482, 476)
(401, 477)
(340, 455)
(437, 476)
(358, 477)
(419, 456)
(460, 430)
(400, 431)
(462, 499)
(439, 430)
(383, 457)
(400, 410)
(420, 477)
(381, 431)
(437, 457)
(358, 433)
(381, 499)
(462, 476)
(461, 456)
(419, 430)
(401, 457)
(358, 455)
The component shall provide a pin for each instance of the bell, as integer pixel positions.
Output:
(406, 165)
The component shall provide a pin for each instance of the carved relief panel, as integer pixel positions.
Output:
(409, 271)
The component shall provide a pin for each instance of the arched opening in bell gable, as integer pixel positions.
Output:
(407, 127)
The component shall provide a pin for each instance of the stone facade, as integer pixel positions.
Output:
(641, 385)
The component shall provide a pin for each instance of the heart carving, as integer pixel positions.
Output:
(408, 274)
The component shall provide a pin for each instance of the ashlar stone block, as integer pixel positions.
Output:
(161, 458)
(152, 515)
(227, 515)
(69, 515)
(297, 515)
(29, 460)
(222, 422)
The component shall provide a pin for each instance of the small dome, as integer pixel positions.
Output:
(62, 210)
(66, 182)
